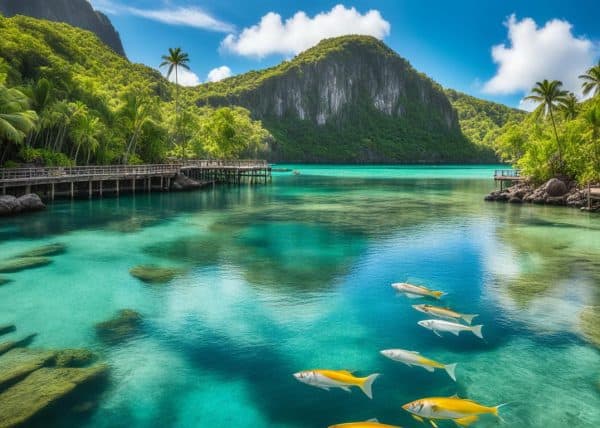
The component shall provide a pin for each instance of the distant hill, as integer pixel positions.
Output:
(78, 13)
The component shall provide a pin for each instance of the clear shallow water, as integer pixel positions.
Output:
(296, 276)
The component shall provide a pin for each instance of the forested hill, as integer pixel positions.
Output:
(78, 13)
(350, 99)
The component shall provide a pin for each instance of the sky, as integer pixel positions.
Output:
(491, 49)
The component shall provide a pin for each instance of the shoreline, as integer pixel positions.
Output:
(553, 192)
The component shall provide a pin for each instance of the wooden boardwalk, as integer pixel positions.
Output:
(509, 176)
(115, 179)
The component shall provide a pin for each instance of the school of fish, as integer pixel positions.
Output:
(463, 412)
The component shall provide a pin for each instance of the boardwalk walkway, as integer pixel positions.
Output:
(101, 179)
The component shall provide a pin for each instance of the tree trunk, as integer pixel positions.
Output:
(557, 140)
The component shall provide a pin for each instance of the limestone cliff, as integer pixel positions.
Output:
(78, 13)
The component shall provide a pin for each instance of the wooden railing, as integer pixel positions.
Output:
(247, 163)
(507, 173)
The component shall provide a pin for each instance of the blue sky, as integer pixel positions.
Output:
(451, 41)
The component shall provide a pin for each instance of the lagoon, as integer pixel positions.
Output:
(296, 275)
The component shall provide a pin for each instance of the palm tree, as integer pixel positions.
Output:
(591, 79)
(134, 114)
(569, 106)
(549, 95)
(175, 59)
(16, 120)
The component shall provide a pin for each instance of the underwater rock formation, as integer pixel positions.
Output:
(74, 358)
(7, 346)
(44, 251)
(154, 274)
(126, 324)
(590, 324)
(19, 264)
(17, 363)
(8, 328)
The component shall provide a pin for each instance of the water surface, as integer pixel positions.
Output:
(296, 275)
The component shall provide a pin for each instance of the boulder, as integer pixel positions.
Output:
(556, 200)
(126, 324)
(7, 346)
(515, 200)
(555, 187)
(19, 264)
(154, 274)
(44, 251)
(17, 363)
(181, 182)
(5, 329)
(8, 205)
(22, 403)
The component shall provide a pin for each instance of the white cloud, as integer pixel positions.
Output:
(273, 36)
(185, 77)
(181, 16)
(218, 73)
(535, 53)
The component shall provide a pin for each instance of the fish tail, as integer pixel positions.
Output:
(367, 385)
(450, 368)
(437, 294)
(495, 411)
(468, 318)
(476, 329)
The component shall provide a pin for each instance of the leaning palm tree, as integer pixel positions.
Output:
(16, 119)
(549, 95)
(175, 59)
(569, 107)
(591, 80)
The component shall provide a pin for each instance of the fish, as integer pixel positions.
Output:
(326, 379)
(416, 291)
(413, 358)
(462, 411)
(446, 313)
(446, 326)
(368, 424)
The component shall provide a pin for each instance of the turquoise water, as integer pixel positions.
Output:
(296, 275)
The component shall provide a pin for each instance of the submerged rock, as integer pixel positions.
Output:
(44, 251)
(16, 364)
(19, 264)
(125, 325)
(74, 358)
(4, 281)
(42, 389)
(9, 205)
(181, 182)
(154, 274)
(7, 346)
(9, 328)
(590, 324)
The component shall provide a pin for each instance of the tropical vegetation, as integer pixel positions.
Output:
(66, 98)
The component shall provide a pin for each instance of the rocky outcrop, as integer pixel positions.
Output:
(10, 205)
(151, 274)
(16, 364)
(7, 346)
(17, 265)
(182, 182)
(553, 192)
(44, 251)
(78, 13)
(5, 329)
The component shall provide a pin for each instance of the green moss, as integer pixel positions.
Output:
(45, 251)
(74, 358)
(589, 322)
(16, 265)
(154, 274)
(126, 324)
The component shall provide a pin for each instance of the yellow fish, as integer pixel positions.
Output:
(415, 291)
(326, 379)
(444, 313)
(413, 358)
(373, 423)
(462, 411)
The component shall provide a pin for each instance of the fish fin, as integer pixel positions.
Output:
(456, 333)
(345, 388)
(437, 294)
(437, 333)
(476, 329)
(418, 418)
(373, 420)
(367, 385)
(429, 369)
(450, 369)
(468, 318)
(466, 421)
(433, 424)
(326, 388)
(409, 365)
(412, 296)
(495, 413)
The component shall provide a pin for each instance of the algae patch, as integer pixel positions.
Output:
(152, 274)
(19, 264)
(126, 324)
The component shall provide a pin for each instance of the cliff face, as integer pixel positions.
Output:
(78, 13)
(349, 99)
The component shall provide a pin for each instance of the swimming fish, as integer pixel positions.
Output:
(446, 326)
(416, 291)
(462, 411)
(447, 313)
(343, 379)
(413, 358)
(368, 424)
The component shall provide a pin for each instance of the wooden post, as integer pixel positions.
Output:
(589, 197)
(52, 191)
(168, 184)
(133, 185)
(72, 190)
(117, 187)
(162, 187)
(101, 181)
(90, 189)
(149, 181)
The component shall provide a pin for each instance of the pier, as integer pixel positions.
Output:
(100, 180)
(509, 176)
(593, 193)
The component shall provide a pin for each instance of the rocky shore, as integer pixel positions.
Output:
(553, 192)
(10, 205)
